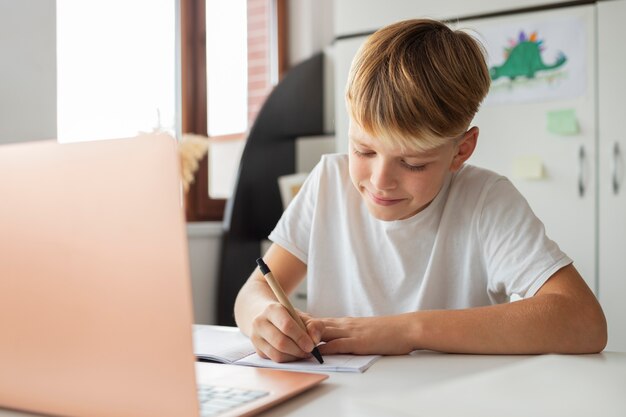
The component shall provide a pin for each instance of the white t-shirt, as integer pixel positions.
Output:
(477, 243)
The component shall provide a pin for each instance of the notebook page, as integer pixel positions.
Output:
(229, 345)
(221, 344)
(332, 363)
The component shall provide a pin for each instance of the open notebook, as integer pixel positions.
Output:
(229, 345)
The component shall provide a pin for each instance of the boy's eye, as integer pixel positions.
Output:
(411, 167)
(364, 154)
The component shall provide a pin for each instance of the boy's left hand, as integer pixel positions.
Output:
(386, 335)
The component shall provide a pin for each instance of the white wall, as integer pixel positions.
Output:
(28, 70)
(310, 28)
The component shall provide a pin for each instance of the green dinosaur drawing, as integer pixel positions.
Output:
(524, 59)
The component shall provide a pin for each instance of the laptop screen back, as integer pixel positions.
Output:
(95, 298)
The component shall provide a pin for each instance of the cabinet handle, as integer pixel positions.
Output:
(614, 168)
(581, 171)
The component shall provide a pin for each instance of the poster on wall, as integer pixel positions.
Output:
(536, 61)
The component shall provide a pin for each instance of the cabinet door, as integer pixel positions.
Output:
(612, 149)
(515, 132)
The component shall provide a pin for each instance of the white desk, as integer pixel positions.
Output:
(433, 384)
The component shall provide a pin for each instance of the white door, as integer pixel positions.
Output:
(612, 151)
(516, 140)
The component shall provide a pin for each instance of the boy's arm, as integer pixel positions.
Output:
(261, 317)
(563, 317)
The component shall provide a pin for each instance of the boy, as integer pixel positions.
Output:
(406, 247)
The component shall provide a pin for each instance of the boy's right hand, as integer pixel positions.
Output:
(277, 336)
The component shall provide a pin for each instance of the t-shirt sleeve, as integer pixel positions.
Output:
(293, 230)
(518, 255)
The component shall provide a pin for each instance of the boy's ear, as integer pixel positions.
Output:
(465, 148)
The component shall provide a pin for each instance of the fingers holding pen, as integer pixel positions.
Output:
(279, 337)
(265, 350)
(293, 327)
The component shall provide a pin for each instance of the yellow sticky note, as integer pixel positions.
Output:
(563, 122)
(528, 167)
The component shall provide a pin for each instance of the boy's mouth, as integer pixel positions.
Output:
(383, 201)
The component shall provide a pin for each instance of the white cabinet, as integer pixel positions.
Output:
(611, 187)
(564, 197)
(360, 16)
(204, 240)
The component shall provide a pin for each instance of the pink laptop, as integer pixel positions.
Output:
(95, 296)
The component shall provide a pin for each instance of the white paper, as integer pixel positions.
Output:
(220, 343)
(332, 363)
(229, 345)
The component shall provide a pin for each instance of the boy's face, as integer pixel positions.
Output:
(397, 185)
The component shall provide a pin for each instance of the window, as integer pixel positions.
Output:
(116, 68)
(265, 45)
(227, 70)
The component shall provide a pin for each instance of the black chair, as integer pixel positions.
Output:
(293, 109)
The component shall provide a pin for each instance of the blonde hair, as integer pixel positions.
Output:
(417, 83)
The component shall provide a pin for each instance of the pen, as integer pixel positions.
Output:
(282, 298)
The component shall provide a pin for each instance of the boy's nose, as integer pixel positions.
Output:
(382, 176)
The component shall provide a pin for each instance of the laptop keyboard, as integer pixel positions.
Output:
(215, 400)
